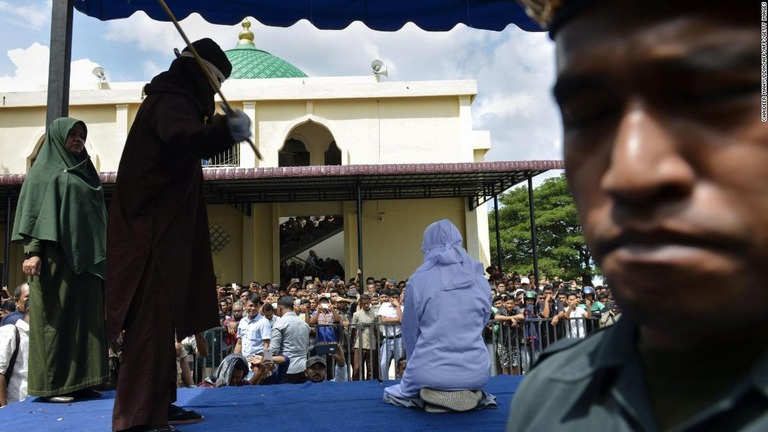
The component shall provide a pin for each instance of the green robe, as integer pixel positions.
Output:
(61, 215)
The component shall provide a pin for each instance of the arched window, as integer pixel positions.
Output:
(293, 153)
(333, 154)
(310, 143)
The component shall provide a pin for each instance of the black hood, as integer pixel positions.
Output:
(185, 77)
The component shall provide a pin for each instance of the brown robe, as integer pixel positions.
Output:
(158, 245)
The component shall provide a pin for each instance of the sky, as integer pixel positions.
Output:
(514, 69)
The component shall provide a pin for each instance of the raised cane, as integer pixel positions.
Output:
(205, 70)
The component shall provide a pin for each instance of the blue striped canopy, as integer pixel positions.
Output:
(384, 15)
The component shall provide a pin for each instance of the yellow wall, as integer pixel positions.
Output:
(263, 257)
(392, 234)
(227, 264)
(20, 131)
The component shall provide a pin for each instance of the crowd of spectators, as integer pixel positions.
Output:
(296, 234)
(528, 316)
(342, 318)
(301, 229)
(313, 268)
(365, 318)
(295, 227)
(353, 329)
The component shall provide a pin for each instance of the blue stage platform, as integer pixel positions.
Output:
(347, 407)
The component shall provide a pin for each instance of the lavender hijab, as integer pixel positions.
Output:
(447, 304)
(442, 247)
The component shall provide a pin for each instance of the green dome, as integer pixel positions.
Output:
(251, 62)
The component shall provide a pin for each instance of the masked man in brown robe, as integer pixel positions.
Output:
(160, 280)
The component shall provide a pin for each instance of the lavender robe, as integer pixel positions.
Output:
(447, 304)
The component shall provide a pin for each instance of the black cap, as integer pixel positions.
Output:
(554, 14)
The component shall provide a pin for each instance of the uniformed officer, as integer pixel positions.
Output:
(666, 155)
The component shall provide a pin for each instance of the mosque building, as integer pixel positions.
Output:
(372, 160)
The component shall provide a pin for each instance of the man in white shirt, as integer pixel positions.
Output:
(254, 331)
(13, 387)
(390, 316)
(576, 316)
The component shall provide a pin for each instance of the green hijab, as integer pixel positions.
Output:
(62, 201)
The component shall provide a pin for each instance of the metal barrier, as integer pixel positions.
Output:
(514, 347)
(374, 351)
(371, 351)
(202, 367)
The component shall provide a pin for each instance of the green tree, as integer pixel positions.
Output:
(560, 242)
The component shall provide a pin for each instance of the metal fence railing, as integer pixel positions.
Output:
(225, 158)
(375, 351)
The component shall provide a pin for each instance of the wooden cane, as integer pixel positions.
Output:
(205, 70)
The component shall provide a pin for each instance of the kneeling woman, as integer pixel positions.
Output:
(447, 360)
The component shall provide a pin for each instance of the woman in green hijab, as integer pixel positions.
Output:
(61, 221)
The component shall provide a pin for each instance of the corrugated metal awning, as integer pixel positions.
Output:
(477, 181)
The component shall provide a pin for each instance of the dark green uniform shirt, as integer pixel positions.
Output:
(598, 384)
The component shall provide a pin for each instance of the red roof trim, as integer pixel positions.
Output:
(223, 174)
(214, 174)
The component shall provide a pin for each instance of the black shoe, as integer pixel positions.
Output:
(178, 415)
(163, 428)
(88, 393)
